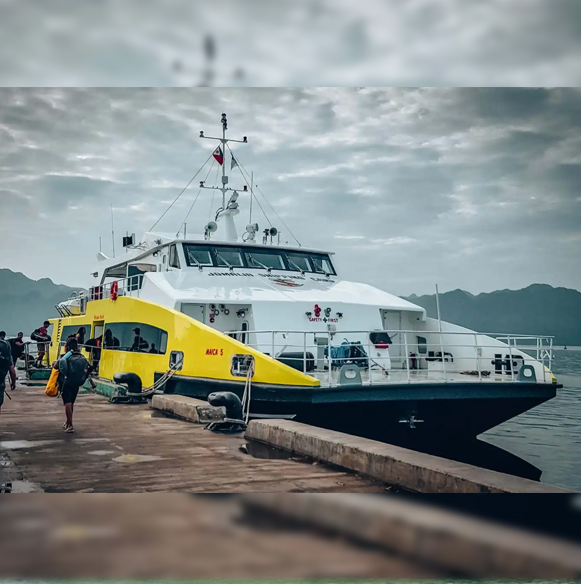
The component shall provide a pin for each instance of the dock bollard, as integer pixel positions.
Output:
(233, 422)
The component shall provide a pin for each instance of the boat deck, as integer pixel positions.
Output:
(129, 448)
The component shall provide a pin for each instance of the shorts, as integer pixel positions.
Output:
(69, 394)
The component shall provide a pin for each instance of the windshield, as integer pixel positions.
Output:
(196, 255)
(229, 257)
(261, 259)
(299, 262)
(200, 255)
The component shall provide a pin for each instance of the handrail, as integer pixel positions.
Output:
(460, 353)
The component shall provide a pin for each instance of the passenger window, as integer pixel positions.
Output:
(135, 337)
(174, 261)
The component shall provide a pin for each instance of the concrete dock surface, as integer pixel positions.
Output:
(131, 449)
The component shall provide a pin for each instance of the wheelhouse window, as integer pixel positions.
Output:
(252, 257)
(135, 337)
(299, 262)
(174, 260)
(264, 259)
(322, 264)
(198, 255)
(228, 257)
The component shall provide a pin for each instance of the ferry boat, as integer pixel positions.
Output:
(278, 324)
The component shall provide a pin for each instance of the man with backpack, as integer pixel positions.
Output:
(6, 366)
(73, 372)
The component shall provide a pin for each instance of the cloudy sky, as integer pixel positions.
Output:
(469, 188)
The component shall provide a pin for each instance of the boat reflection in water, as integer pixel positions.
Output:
(478, 453)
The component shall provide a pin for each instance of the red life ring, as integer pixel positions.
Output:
(114, 290)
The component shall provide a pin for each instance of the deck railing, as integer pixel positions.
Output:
(447, 356)
(129, 286)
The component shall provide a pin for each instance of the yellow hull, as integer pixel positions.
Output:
(207, 353)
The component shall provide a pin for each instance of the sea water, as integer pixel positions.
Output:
(549, 436)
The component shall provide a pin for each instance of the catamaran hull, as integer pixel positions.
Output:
(389, 413)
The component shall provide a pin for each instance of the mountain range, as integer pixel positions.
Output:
(25, 304)
(538, 309)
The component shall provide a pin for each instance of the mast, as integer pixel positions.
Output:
(228, 210)
(224, 177)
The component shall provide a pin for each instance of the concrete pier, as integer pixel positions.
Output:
(400, 467)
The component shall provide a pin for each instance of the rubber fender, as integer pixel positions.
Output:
(131, 380)
(230, 401)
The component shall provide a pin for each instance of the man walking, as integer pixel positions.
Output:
(73, 373)
(17, 346)
(6, 366)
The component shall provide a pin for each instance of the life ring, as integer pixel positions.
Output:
(114, 290)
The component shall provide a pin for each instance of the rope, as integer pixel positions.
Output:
(247, 395)
(181, 193)
(199, 191)
(241, 166)
(248, 185)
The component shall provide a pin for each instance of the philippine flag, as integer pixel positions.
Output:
(218, 155)
(234, 163)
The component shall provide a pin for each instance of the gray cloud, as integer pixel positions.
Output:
(470, 188)
(308, 42)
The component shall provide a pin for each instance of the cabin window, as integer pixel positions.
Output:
(227, 257)
(264, 259)
(174, 260)
(135, 275)
(322, 264)
(299, 262)
(116, 272)
(422, 345)
(197, 255)
(73, 330)
(135, 337)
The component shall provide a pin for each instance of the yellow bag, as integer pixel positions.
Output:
(52, 387)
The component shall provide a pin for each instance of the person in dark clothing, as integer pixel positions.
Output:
(80, 336)
(17, 346)
(6, 366)
(139, 344)
(153, 349)
(73, 373)
(41, 337)
(111, 342)
(93, 346)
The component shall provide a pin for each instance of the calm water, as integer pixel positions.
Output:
(549, 436)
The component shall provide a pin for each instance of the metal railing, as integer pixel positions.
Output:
(446, 356)
(129, 286)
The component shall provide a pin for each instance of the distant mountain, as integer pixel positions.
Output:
(539, 309)
(26, 303)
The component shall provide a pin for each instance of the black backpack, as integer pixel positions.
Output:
(77, 367)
